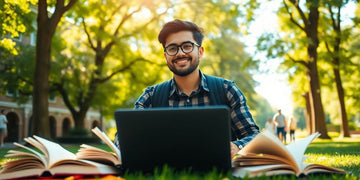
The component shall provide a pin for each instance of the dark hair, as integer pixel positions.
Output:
(2, 111)
(177, 26)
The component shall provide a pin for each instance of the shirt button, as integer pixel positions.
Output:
(187, 100)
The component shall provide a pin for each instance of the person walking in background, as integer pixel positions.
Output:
(280, 122)
(270, 126)
(3, 127)
(292, 128)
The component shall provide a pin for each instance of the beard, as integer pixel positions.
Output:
(194, 63)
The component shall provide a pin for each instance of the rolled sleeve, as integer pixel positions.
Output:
(242, 122)
(144, 101)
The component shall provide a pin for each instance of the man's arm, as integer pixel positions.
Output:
(242, 122)
(144, 101)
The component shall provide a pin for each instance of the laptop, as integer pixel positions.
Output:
(193, 139)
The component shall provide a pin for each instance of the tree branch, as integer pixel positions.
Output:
(297, 61)
(296, 4)
(87, 34)
(126, 67)
(60, 88)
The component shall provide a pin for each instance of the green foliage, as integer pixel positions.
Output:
(107, 61)
(78, 135)
(17, 74)
(78, 132)
(262, 111)
(15, 18)
(226, 57)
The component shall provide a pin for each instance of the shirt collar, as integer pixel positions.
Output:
(203, 85)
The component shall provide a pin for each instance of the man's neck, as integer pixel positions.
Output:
(188, 84)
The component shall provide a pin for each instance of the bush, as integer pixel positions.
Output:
(78, 139)
(76, 136)
(333, 127)
(353, 127)
(78, 132)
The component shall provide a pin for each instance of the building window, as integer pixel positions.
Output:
(33, 39)
(11, 93)
(52, 98)
(18, 38)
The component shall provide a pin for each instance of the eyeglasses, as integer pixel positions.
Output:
(186, 47)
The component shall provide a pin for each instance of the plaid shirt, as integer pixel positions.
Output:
(242, 124)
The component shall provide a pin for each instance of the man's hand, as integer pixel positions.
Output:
(234, 149)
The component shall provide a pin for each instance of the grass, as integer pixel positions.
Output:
(342, 153)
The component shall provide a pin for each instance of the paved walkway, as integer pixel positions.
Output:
(9, 145)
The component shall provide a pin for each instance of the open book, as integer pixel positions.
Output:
(267, 155)
(87, 152)
(48, 159)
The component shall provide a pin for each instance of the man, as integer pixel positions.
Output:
(3, 127)
(280, 123)
(182, 41)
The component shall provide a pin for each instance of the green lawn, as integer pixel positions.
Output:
(341, 153)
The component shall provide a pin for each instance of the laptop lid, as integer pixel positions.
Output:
(196, 139)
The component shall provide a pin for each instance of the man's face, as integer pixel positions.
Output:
(182, 63)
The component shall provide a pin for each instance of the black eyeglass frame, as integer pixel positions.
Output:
(180, 46)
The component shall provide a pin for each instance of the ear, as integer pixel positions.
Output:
(201, 51)
(165, 55)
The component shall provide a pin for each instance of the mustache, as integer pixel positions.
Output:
(183, 57)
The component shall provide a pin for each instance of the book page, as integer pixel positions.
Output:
(34, 154)
(55, 151)
(267, 170)
(38, 146)
(267, 143)
(257, 159)
(298, 148)
(26, 173)
(86, 168)
(96, 154)
(318, 168)
(21, 164)
(106, 139)
(28, 169)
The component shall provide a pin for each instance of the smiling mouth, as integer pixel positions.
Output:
(180, 60)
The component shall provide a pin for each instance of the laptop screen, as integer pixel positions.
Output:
(196, 139)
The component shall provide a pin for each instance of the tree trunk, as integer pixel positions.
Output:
(344, 130)
(79, 118)
(40, 119)
(309, 120)
(46, 27)
(317, 111)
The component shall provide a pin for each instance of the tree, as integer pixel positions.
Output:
(46, 26)
(333, 41)
(105, 52)
(302, 20)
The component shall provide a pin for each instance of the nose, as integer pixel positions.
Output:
(180, 51)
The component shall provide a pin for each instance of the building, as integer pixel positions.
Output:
(19, 118)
